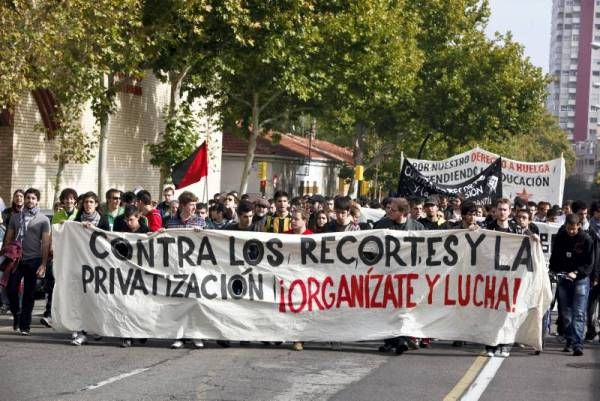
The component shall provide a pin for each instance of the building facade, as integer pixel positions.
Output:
(574, 94)
(27, 152)
(295, 164)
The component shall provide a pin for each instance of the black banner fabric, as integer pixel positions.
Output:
(482, 189)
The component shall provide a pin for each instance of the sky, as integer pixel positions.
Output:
(529, 21)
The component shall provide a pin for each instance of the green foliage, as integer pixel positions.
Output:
(179, 140)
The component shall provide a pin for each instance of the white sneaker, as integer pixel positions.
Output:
(74, 335)
(177, 344)
(46, 321)
(503, 352)
(80, 339)
(198, 343)
(489, 353)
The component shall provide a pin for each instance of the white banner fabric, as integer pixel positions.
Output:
(479, 286)
(547, 233)
(543, 181)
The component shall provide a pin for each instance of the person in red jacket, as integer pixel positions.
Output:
(299, 222)
(144, 201)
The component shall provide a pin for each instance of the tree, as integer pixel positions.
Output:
(257, 65)
(69, 50)
(370, 58)
(179, 139)
(471, 87)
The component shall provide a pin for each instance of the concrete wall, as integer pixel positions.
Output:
(136, 122)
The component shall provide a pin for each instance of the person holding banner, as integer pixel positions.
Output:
(398, 211)
(134, 224)
(299, 222)
(89, 215)
(572, 260)
(504, 224)
(187, 218)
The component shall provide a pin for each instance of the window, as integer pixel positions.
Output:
(572, 85)
(568, 26)
(594, 120)
(596, 73)
(573, 73)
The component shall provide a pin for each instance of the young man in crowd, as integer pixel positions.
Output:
(398, 219)
(299, 226)
(127, 198)
(261, 208)
(217, 219)
(32, 229)
(145, 207)
(590, 226)
(112, 209)
(502, 223)
(343, 218)
(67, 212)
(524, 223)
(416, 209)
(165, 206)
(280, 222)
(328, 207)
(245, 213)
(573, 258)
(593, 312)
(542, 212)
(432, 220)
(133, 224)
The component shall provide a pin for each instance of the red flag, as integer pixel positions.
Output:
(192, 169)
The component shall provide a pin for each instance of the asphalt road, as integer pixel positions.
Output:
(46, 367)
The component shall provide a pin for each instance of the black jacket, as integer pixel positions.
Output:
(390, 224)
(572, 254)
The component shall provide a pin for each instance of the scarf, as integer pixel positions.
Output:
(93, 218)
(27, 215)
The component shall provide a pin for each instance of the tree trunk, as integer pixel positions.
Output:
(175, 80)
(251, 144)
(58, 178)
(359, 143)
(103, 141)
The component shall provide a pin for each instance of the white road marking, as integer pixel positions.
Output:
(114, 379)
(483, 379)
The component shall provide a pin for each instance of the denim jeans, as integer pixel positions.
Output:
(572, 304)
(22, 312)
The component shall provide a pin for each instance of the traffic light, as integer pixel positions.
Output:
(364, 187)
(359, 172)
(262, 171)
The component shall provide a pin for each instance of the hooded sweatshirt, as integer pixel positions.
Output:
(572, 254)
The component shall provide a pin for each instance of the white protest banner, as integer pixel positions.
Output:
(371, 216)
(547, 233)
(543, 181)
(480, 286)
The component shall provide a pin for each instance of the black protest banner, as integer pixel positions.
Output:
(482, 189)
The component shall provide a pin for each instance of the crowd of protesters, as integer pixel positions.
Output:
(574, 262)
